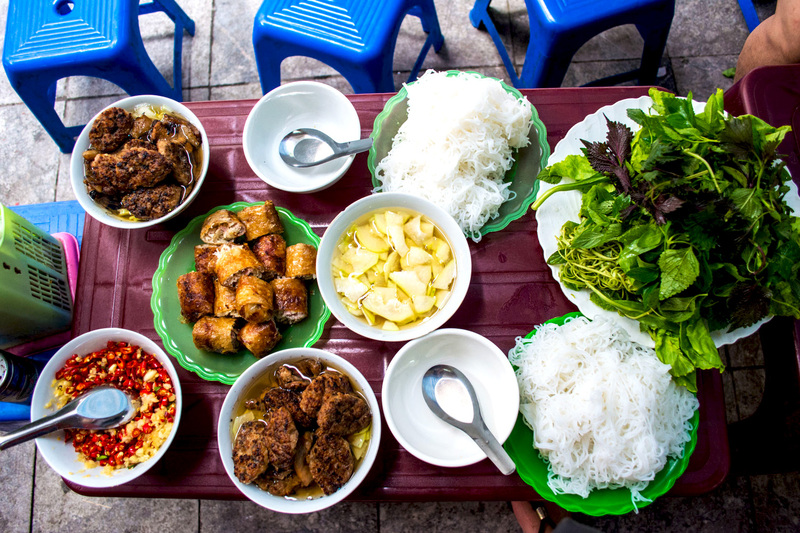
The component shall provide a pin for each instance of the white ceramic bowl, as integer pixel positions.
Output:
(411, 421)
(77, 170)
(343, 222)
(61, 456)
(242, 386)
(302, 104)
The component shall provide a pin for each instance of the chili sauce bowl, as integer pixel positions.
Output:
(60, 455)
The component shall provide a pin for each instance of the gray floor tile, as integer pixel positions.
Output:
(232, 57)
(30, 157)
(464, 45)
(247, 517)
(197, 48)
(16, 487)
(582, 72)
(725, 510)
(236, 92)
(57, 508)
(749, 386)
(445, 517)
(746, 352)
(731, 411)
(64, 190)
(776, 506)
(690, 35)
(702, 75)
(620, 42)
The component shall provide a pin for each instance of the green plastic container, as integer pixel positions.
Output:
(35, 299)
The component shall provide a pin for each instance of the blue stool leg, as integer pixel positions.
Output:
(546, 63)
(479, 15)
(425, 11)
(178, 15)
(268, 64)
(749, 13)
(479, 12)
(655, 40)
(182, 22)
(138, 75)
(371, 77)
(41, 102)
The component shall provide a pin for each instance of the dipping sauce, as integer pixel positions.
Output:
(393, 268)
(128, 368)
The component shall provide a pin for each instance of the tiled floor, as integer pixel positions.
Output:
(705, 39)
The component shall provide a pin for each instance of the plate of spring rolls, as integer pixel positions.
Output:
(235, 285)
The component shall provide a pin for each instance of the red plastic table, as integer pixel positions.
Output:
(511, 291)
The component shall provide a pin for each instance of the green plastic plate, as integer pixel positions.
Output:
(178, 259)
(528, 161)
(532, 468)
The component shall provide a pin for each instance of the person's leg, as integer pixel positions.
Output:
(776, 41)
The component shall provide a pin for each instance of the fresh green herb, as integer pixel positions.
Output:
(683, 227)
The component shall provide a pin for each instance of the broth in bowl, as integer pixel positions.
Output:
(301, 430)
(393, 268)
(142, 164)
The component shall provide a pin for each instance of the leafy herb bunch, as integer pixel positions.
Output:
(683, 226)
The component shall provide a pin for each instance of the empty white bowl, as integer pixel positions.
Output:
(243, 386)
(78, 172)
(344, 221)
(61, 456)
(302, 104)
(411, 421)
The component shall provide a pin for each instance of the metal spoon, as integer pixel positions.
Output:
(103, 407)
(451, 397)
(307, 147)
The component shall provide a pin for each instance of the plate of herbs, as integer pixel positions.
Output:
(675, 220)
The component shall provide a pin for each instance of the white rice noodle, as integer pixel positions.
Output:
(456, 145)
(604, 410)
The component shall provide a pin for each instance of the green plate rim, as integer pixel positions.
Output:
(158, 275)
(541, 137)
(589, 505)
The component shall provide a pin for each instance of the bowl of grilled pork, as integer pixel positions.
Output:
(299, 430)
(139, 162)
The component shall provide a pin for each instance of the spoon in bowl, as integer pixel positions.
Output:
(307, 147)
(103, 407)
(451, 397)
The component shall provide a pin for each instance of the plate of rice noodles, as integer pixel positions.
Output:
(469, 143)
(602, 429)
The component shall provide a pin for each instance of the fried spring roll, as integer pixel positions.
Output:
(224, 300)
(235, 261)
(301, 261)
(270, 250)
(205, 259)
(254, 299)
(216, 334)
(196, 295)
(260, 338)
(260, 220)
(291, 300)
(220, 227)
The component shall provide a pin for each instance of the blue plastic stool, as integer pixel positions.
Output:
(47, 40)
(560, 27)
(749, 14)
(356, 37)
